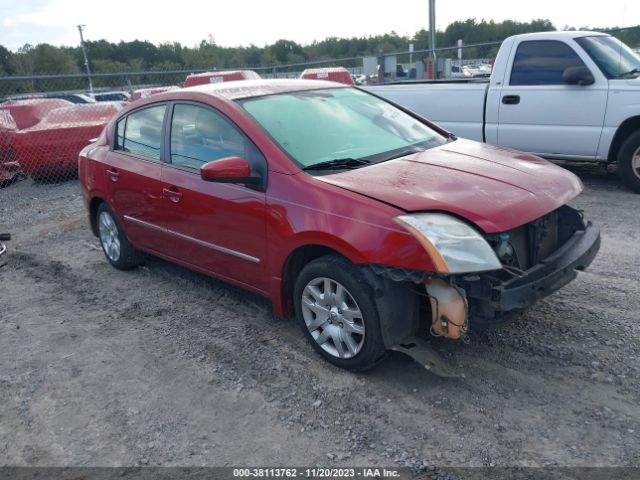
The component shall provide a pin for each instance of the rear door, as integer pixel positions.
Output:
(540, 113)
(214, 226)
(133, 175)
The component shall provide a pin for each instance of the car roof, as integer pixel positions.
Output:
(256, 88)
(561, 34)
(326, 69)
(222, 73)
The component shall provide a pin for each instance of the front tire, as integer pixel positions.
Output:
(115, 245)
(335, 307)
(629, 162)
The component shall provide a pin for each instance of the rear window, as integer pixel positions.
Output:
(140, 133)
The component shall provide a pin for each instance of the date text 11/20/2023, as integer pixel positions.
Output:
(317, 472)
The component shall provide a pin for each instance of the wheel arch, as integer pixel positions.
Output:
(626, 128)
(398, 306)
(93, 209)
(294, 263)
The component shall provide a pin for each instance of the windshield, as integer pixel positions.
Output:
(613, 57)
(339, 123)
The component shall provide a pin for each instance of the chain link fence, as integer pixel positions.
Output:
(45, 120)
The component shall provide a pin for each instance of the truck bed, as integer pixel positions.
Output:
(445, 103)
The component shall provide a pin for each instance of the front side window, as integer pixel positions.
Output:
(614, 58)
(336, 124)
(542, 62)
(140, 133)
(200, 135)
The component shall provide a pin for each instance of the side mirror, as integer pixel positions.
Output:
(577, 76)
(229, 170)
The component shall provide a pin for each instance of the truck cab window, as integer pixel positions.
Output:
(542, 62)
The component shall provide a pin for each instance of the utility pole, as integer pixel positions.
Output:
(432, 30)
(86, 60)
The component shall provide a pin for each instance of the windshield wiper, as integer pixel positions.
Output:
(401, 153)
(635, 71)
(337, 164)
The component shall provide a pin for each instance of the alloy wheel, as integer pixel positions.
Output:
(333, 317)
(635, 162)
(109, 236)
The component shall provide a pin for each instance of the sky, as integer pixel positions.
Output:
(259, 22)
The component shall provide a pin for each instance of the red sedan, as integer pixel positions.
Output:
(369, 224)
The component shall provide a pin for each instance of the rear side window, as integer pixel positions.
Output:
(140, 133)
(200, 135)
(542, 62)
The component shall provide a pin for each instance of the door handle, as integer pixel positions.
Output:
(511, 99)
(114, 174)
(172, 194)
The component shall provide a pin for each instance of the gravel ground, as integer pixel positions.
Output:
(166, 367)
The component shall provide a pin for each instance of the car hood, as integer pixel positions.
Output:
(494, 187)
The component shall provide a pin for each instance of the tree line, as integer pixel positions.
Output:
(141, 55)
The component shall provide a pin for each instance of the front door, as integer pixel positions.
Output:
(216, 226)
(540, 113)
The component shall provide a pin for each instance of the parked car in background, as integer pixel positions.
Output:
(460, 72)
(219, 76)
(560, 95)
(332, 74)
(359, 79)
(72, 97)
(69, 97)
(116, 96)
(13, 98)
(146, 92)
(369, 224)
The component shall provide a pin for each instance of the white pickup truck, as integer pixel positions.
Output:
(560, 95)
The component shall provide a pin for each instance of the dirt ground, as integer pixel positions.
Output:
(163, 366)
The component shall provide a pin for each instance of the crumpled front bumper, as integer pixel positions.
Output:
(551, 274)
(494, 300)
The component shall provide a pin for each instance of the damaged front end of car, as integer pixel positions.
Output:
(538, 259)
(505, 273)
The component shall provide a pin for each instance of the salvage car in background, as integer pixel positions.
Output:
(146, 92)
(219, 77)
(47, 135)
(112, 96)
(332, 74)
(16, 115)
(370, 225)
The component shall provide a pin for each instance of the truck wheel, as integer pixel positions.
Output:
(115, 245)
(629, 162)
(336, 309)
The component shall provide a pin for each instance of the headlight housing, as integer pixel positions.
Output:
(453, 245)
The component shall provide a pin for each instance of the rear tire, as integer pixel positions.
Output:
(115, 244)
(336, 309)
(629, 162)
